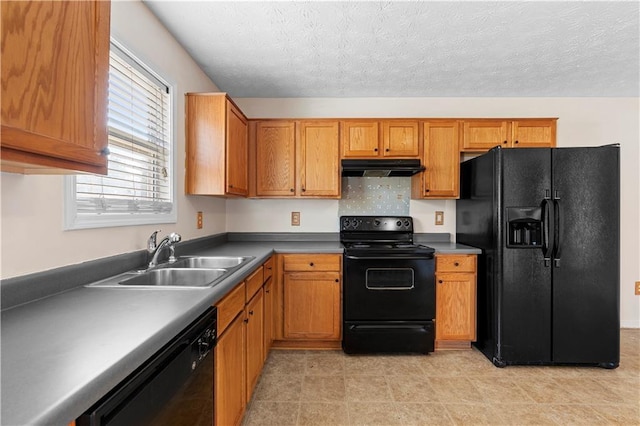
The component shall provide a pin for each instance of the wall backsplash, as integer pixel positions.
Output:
(375, 196)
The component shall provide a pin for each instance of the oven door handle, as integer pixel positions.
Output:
(389, 257)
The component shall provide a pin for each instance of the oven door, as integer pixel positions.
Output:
(393, 287)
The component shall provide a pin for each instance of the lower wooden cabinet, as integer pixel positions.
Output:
(455, 300)
(312, 305)
(254, 320)
(230, 384)
(268, 316)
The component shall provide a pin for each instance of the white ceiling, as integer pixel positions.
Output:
(405, 49)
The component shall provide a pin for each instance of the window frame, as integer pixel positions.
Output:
(71, 219)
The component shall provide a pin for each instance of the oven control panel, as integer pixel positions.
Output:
(376, 223)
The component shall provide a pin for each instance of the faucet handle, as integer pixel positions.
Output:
(175, 237)
(151, 242)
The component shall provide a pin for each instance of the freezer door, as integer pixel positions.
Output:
(525, 305)
(586, 264)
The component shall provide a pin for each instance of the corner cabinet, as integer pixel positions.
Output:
(455, 300)
(296, 158)
(483, 134)
(55, 71)
(217, 146)
(441, 179)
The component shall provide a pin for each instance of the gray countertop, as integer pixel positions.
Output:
(62, 353)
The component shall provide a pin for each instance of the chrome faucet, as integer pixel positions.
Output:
(155, 249)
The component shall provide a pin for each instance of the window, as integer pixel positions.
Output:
(138, 188)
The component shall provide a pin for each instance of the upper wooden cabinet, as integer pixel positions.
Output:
(55, 70)
(318, 161)
(388, 138)
(400, 138)
(441, 157)
(217, 146)
(297, 158)
(275, 158)
(484, 134)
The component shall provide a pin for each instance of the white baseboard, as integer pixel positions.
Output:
(629, 324)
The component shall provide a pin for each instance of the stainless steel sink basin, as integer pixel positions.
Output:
(174, 277)
(209, 262)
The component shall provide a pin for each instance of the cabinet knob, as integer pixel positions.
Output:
(230, 186)
(267, 291)
(311, 264)
(251, 312)
(246, 320)
(291, 190)
(439, 281)
(516, 142)
(303, 190)
(456, 264)
(387, 150)
(426, 190)
(375, 149)
(105, 151)
(337, 280)
(505, 142)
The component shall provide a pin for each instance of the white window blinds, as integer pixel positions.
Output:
(139, 180)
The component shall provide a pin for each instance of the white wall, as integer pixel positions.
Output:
(32, 206)
(582, 122)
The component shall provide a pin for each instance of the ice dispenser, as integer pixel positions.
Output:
(524, 227)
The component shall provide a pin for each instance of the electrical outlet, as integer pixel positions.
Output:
(439, 218)
(199, 220)
(637, 288)
(295, 218)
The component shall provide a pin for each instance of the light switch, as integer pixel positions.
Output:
(199, 220)
(295, 218)
(439, 218)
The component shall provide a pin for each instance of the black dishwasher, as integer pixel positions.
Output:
(174, 387)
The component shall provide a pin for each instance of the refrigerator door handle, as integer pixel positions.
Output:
(547, 245)
(556, 231)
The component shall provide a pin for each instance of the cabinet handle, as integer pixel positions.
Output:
(269, 268)
(375, 149)
(105, 151)
(311, 264)
(456, 264)
(505, 142)
(304, 190)
(291, 190)
(337, 280)
(230, 186)
(387, 150)
(267, 291)
(246, 320)
(251, 312)
(516, 142)
(426, 190)
(439, 281)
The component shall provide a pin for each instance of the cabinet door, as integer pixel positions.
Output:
(534, 133)
(318, 159)
(268, 317)
(254, 313)
(455, 306)
(400, 138)
(360, 138)
(230, 377)
(482, 135)
(442, 160)
(312, 305)
(275, 158)
(55, 70)
(237, 152)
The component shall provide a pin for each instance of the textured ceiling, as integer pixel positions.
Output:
(403, 49)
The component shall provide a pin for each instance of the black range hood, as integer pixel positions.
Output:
(381, 168)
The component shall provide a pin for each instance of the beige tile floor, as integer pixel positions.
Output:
(442, 388)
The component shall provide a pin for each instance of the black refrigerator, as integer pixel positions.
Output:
(548, 223)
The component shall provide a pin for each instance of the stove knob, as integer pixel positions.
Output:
(399, 224)
(406, 223)
(376, 222)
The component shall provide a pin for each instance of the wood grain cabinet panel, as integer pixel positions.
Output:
(400, 138)
(55, 71)
(360, 138)
(230, 306)
(230, 374)
(482, 135)
(455, 300)
(254, 282)
(312, 262)
(254, 320)
(534, 133)
(268, 316)
(275, 158)
(441, 179)
(318, 159)
(216, 146)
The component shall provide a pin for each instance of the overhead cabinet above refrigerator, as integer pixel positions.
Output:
(547, 221)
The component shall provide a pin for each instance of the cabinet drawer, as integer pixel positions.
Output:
(456, 263)
(312, 262)
(229, 307)
(268, 269)
(254, 282)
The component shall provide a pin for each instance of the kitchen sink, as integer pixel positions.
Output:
(209, 262)
(176, 277)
